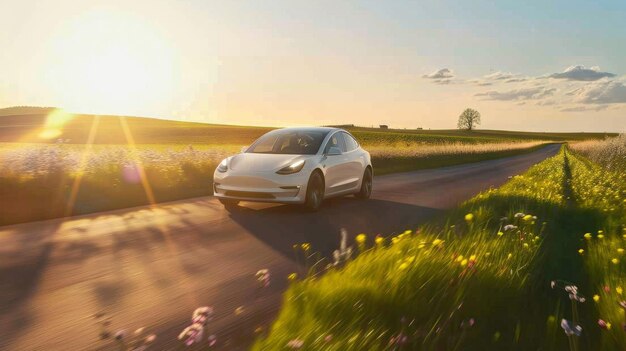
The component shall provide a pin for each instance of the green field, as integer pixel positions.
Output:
(501, 272)
(27, 127)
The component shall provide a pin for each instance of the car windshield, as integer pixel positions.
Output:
(299, 142)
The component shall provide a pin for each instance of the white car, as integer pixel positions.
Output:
(296, 165)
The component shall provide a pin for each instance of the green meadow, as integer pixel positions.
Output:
(535, 264)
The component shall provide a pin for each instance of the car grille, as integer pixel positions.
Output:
(249, 194)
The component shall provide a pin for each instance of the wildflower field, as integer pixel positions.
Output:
(535, 264)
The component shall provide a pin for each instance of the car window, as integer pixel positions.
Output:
(297, 142)
(336, 140)
(351, 144)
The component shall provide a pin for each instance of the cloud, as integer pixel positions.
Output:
(546, 103)
(601, 92)
(443, 73)
(582, 73)
(584, 108)
(534, 93)
(498, 77)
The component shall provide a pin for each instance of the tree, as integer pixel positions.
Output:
(469, 119)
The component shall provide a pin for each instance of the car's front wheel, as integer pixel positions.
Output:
(314, 192)
(366, 185)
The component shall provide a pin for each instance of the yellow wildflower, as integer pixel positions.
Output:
(615, 261)
(469, 217)
(619, 290)
(459, 258)
(608, 325)
(600, 236)
(596, 298)
(500, 233)
(510, 255)
(528, 217)
(525, 245)
(587, 236)
(437, 242)
(360, 239)
(581, 251)
(472, 258)
(379, 240)
(463, 263)
(620, 251)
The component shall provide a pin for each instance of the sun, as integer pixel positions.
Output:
(107, 62)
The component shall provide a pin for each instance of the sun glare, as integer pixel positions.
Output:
(109, 62)
(54, 124)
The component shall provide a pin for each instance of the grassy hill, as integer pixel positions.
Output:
(24, 124)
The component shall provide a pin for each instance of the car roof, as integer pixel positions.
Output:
(312, 129)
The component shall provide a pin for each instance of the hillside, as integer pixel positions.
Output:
(26, 123)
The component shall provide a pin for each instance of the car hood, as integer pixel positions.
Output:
(250, 162)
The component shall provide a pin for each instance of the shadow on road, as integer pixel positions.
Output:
(281, 226)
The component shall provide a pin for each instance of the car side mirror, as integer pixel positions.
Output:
(244, 148)
(333, 151)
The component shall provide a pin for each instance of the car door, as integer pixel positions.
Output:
(354, 161)
(335, 166)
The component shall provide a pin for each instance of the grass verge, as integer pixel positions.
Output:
(502, 272)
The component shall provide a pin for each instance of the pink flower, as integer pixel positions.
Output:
(192, 334)
(202, 315)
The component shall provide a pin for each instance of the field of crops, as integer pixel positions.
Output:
(39, 181)
(535, 264)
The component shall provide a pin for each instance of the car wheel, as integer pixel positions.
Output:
(314, 192)
(229, 203)
(366, 185)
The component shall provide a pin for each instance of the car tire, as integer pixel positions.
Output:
(314, 192)
(366, 185)
(229, 204)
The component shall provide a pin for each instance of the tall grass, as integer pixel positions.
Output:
(493, 276)
(391, 150)
(603, 186)
(610, 152)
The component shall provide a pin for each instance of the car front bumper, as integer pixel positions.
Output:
(260, 187)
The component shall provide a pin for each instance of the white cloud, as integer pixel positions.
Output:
(443, 73)
(549, 102)
(601, 92)
(499, 76)
(584, 108)
(533, 93)
(582, 73)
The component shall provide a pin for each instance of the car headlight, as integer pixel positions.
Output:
(292, 168)
(223, 166)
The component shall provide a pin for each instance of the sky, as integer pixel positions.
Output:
(524, 65)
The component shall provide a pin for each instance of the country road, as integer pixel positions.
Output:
(151, 266)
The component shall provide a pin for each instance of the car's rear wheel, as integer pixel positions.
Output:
(314, 192)
(366, 185)
(229, 203)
